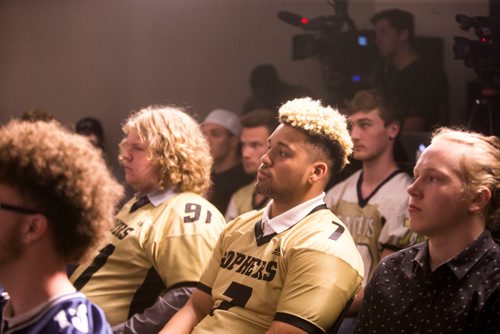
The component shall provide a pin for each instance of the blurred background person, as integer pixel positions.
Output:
(57, 201)
(222, 129)
(269, 91)
(373, 201)
(419, 83)
(257, 126)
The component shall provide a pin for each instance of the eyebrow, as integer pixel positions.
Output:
(279, 143)
(363, 119)
(428, 169)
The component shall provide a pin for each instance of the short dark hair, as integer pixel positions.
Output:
(263, 76)
(390, 107)
(398, 19)
(260, 117)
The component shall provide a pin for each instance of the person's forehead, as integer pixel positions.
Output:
(373, 114)
(444, 154)
(212, 127)
(133, 138)
(288, 135)
(256, 131)
(384, 24)
(9, 192)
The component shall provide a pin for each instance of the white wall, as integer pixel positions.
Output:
(103, 58)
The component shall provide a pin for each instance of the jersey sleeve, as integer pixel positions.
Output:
(316, 278)
(210, 273)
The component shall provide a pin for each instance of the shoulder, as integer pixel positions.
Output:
(337, 192)
(242, 223)
(400, 258)
(396, 186)
(323, 232)
(74, 313)
(246, 190)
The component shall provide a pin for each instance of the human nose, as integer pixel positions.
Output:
(354, 132)
(245, 151)
(414, 188)
(126, 155)
(266, 159)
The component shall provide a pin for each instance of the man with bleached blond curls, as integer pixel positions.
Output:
(291, 267)
(164, 236)
(57, 202)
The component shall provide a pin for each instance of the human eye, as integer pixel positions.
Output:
(432, 178)
(137, 148)
(364, 125)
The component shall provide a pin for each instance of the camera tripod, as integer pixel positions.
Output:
(484, 112)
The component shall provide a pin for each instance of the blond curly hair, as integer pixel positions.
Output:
(64, 177)
(322, 124)
(175, 146)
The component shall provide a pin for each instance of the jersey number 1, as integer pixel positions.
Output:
(193, 213)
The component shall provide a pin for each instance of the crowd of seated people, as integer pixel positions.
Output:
(246, 224)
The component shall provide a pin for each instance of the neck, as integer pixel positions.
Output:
(447, 244)
(37, 279)
(377, 170)
(279, 206)
(405, 57)
(225, 164)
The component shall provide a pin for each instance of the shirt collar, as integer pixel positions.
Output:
(288, 218)
(462, 263)
(157, 197)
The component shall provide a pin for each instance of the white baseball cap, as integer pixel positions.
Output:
(225, 118)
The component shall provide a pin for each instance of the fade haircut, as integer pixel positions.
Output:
(325, 128)
(61, 175)
(176, 147)
(480, 167)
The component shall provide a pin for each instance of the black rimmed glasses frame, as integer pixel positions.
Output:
(18, 209)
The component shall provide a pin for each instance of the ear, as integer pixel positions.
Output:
(235, 140)
(319, 171)
(480, 199)
(393, 130)
(35, 228)
(404, 35)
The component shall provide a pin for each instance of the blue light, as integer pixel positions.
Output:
(362, 41)
(356, 78)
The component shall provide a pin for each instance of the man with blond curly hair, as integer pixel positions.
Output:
(164, 236)
(57, 201)
(291, 267)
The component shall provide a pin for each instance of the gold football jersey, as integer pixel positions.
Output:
(150, 250)
(381, 220)
(304, 276)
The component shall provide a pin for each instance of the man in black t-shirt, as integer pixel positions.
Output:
(222, 130)
(420, 85)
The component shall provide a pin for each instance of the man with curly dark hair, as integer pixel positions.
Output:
(57, 201)
(164, 236)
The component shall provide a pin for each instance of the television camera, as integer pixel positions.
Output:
(483, 56)
(346, 54)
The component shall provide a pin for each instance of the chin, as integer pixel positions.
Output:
(418, 227)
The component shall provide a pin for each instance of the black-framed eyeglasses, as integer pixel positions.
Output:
(18, 209)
